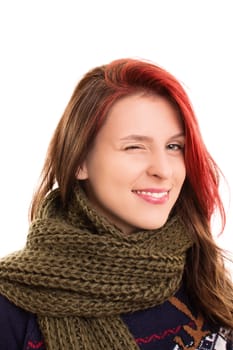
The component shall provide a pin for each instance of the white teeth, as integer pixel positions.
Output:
(153, 194)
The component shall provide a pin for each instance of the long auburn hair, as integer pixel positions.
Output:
(207, 280)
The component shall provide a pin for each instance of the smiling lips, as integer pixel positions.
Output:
(153, 196)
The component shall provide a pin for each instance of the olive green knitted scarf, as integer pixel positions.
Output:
(78, 273)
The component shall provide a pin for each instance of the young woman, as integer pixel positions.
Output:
(120, 254)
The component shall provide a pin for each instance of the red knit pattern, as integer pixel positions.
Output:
(35, 345)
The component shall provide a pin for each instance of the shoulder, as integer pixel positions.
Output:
(18, 328)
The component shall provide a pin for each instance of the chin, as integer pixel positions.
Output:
(155, 226)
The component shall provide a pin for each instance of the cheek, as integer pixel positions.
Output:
(115, 168)
(182, 174)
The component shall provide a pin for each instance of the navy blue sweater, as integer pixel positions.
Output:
(171, 326)
(18, 329)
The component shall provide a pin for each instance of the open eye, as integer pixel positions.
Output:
(175, 146)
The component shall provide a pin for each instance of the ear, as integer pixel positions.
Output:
(82, 173)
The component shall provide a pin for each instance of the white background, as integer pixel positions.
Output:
(45, 48)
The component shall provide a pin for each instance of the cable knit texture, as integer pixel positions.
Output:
(79, 273)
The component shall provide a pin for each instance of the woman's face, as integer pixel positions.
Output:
(135, 169)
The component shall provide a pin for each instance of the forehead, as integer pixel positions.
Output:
(142, 112)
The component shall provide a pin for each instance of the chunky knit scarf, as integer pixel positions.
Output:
(78, 273)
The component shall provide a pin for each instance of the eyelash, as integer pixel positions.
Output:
(133, 147)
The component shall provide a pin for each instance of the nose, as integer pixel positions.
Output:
(160, 165)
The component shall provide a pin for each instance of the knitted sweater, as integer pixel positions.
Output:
(173, 325)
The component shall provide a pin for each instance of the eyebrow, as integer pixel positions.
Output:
(136, 137)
